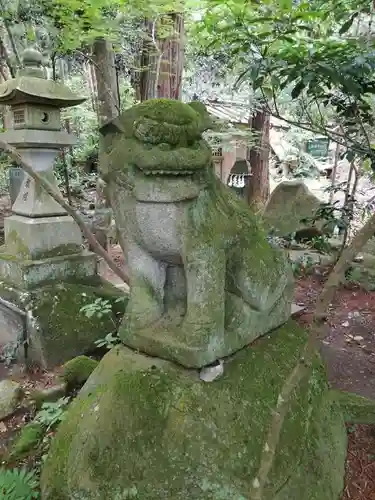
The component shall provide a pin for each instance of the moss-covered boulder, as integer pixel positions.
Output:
(77, 370)
(147, 429)
(290, 203)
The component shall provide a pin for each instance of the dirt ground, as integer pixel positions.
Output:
(349, 352)
(349, 346)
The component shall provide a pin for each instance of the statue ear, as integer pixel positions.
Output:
(200, 108)
(111, 128)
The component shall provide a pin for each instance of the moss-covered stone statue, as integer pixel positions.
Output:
(204, 280)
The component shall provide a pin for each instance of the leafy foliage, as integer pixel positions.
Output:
(52, 413)
(307, 49)
(109, 341)
(99, 308)
(302, 266)
(19, 484)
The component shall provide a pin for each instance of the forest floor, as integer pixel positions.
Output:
(349, 352)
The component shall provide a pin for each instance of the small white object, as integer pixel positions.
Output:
(212, 372)
(230, 183)
(256, 483)
(346, 323)
(358, 338)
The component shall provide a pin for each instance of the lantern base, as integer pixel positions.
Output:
(28, 274)
(36, 238)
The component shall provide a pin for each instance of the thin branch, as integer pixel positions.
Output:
(97, 248)
(334, 172)
(339, 138)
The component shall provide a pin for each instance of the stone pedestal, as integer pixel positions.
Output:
(47, 274)
(148, 429)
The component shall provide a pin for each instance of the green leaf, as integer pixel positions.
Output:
(298, 89)
(348, 24)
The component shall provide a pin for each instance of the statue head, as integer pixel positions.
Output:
(161, 137)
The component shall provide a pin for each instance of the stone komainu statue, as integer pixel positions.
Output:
(204, 280)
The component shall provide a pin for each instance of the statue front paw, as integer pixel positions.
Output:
(198, 334)
(137, 318)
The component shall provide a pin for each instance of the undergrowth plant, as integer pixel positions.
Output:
(19, 484)
(52, 413)
(98, 308)
(302, 266)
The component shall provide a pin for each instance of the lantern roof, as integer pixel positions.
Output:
(31, 86)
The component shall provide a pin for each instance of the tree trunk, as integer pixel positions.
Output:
(108, 106)
(162, 58)
(258, 156)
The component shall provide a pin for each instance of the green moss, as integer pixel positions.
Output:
(65, 331)
(16, 248)
(77, 370)
(150, 427)
(159, 134)
(28, 440)
(356, 409)
(167, 110)
(15, 245)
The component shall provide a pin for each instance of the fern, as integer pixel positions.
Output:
(18, 484)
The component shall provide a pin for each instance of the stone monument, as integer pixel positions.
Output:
(43, 244)
(205, 284)
(288, 205)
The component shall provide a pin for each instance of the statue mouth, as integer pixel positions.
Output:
(167, 173)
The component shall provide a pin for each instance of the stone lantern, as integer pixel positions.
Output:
(43, 244)
(39, 226)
